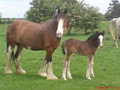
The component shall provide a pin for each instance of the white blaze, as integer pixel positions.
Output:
(101, 40)
(59, 32)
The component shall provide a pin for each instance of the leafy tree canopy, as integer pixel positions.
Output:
(81, 15)
(113, 10)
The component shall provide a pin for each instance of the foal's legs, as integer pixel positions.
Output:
(65, 64)
(50, 74)
(92, 64)
(7, 69)
(42, 71)
(66, 67)
(90, 67)
(68, 70)
(17, 60)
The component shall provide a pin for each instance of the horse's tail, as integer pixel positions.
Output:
(112, 22)
(63, 48)
(12, 54)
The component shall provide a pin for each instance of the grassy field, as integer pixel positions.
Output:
(106, 68)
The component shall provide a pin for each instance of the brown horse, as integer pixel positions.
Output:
(87, 48)
(34, 36)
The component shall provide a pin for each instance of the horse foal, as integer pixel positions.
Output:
(86, 48)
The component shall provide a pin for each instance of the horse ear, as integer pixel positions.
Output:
(97, 33)
(57, 11)
(103, 32)
(65, 11)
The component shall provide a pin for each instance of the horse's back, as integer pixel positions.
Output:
(76, 46)
(22, 29)
(30, 34)
(118, 23)
(73, 41)
(71, 44)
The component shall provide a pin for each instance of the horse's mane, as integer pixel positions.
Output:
(92, 36)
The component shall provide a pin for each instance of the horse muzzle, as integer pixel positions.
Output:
(101, 46)
(59, 34)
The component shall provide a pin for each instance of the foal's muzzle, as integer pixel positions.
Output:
(101, 45)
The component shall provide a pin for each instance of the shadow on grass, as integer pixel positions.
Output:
(23, 77)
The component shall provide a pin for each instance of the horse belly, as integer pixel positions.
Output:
(34, 48)
(82, 50)
(33, 45)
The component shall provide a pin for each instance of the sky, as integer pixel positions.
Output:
(18, 8)
(102, 5)
(14, 8)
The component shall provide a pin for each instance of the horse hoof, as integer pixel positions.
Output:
(42, 74)
(93, 75)
(64, 79)
(88, 78)
(7, 71)
(52, 78)
(21, 71)
(70, 77)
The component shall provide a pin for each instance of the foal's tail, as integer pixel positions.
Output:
(63, 48)
(112, 22)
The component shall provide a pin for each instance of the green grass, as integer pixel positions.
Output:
(106, 68)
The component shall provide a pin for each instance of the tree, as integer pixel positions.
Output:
(42, 10)
(113, 10)
(0, 17)
(81, 16)
(90, 19)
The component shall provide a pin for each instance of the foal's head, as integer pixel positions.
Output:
(97, 38)
(63, 22)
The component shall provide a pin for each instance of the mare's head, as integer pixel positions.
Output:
(97, 38)
(63, 22)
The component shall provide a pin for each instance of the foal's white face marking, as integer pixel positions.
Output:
(101, 40)
(59, 32)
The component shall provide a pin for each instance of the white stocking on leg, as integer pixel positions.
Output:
(92, 63)
(42, 71)
(88, 70)
(18, 66)
(64, 70)
(68, 71)
(7, 69)
(50, 75)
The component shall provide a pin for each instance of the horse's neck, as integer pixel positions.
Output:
(52, 28)
(94, 43)
(52, 25)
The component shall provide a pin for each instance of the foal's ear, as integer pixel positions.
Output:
(103, 32)
(97, 33)
(58, 11)
(65, 11)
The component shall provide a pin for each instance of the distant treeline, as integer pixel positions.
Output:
(9, 20)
